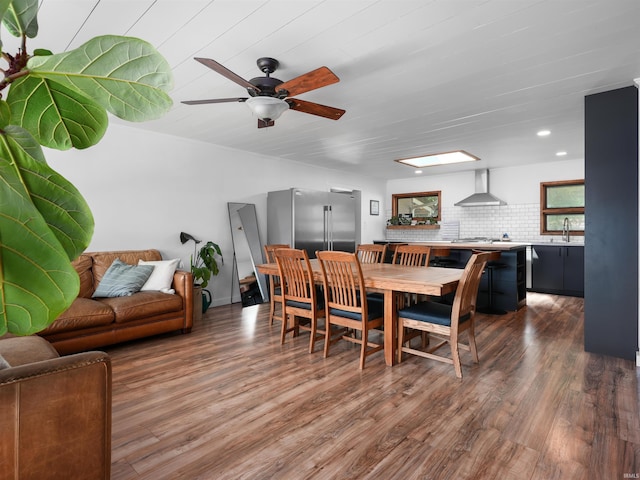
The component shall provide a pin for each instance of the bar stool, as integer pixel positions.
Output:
(491, 266)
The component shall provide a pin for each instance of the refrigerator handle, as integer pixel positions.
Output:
(330, 227)
(325, 228)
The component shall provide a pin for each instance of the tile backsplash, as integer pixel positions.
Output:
(520, 222)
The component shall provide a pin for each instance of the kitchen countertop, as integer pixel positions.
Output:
(562, 244)
(496, 245)
(458, 245)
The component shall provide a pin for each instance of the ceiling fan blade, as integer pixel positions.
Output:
(265, 124)
(225, 72)
(214, 100)
(320, 77)
(315, 108)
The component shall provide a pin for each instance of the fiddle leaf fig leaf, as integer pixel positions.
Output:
(43, 52)
(4, 5)
(56, 116)
(5, 114)
(37, 281)
(59, 203)
(21, 18)
(124, 75)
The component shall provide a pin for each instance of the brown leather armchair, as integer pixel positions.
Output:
(55, 412)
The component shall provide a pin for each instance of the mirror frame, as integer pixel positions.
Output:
(397, 196)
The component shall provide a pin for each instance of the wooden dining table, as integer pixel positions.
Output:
(388, 279)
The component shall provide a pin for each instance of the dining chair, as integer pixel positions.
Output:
(344, 292)
(412, 255)
(447, 322)
(371, 253)
(300, 296)
(275, 291)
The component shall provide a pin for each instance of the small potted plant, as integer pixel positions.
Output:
(204, 265)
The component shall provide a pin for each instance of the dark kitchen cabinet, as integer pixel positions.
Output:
(574, 271)
(558, 269)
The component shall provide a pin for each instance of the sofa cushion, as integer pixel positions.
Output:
(122, 279)
(103, 260)
(142, 305)
(83, 313)
(22, 350)
(162, 276)
(83, 265)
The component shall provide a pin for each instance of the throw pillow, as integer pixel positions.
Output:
(162, 276)
(122, 279)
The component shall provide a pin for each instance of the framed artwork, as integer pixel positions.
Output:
(374, 207)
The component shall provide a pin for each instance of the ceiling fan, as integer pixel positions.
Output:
(269, 97)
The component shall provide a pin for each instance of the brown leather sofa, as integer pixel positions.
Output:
(95, 322)
(55, 412)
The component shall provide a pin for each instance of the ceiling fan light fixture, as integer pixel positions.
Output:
(267, 108)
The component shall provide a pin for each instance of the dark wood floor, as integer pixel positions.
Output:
(229, 402)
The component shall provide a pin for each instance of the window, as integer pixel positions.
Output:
(560, 200)
(422, 207)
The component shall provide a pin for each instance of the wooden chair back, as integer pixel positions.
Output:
(412, 255)
(343, 281)
(274, 281)
(269, 251)
(300, 297)
(346, 303)
(371, 253)
(464, 302)
(296, 276)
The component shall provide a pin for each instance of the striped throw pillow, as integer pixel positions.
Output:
(122, 279)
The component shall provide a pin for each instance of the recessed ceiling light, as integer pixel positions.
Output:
(417, 172)
(544, 133)
(443, 158)
(561, 154)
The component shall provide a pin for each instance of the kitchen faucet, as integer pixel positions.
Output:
(565, 230)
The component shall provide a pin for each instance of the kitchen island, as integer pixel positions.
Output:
(508, 272)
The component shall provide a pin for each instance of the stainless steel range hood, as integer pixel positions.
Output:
(482, 197)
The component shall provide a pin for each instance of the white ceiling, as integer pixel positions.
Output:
(416, 77)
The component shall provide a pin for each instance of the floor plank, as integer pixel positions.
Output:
(227, 401)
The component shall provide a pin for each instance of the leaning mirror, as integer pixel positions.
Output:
(247, 287)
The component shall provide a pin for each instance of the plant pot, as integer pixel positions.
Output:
(197, 303)
(206, 299)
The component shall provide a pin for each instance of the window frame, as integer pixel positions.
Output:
(397, 196)
(546, 211)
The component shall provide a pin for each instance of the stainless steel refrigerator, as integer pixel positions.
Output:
(314, 220)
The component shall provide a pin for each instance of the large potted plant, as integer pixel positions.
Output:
(59, 101)
(204, 265)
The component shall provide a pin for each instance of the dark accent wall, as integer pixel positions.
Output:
(611, 234)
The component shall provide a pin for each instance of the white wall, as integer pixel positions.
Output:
(144, 188)
(518, 186)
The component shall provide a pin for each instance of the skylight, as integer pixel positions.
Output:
(434, 159)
